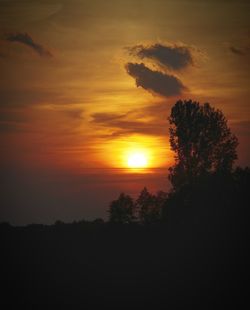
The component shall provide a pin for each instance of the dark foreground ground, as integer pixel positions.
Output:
(198, 259)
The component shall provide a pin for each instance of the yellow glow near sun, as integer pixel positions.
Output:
(137, 153)
(137, 160)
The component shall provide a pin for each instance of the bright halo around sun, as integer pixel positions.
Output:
(137, 160)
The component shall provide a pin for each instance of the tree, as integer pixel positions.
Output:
(121, 211)
(149, 206)
(161, 198)
(201, 140)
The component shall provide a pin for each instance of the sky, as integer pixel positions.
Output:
(85, 85)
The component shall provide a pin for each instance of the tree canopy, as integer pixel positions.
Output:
(202, 142)
(121, 210)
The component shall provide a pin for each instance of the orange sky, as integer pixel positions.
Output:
(69, 107)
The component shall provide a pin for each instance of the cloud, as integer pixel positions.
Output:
(125, 127)
(172, 57)
(76, 114)
(236, 50)
(133, 122)
(7, 127)
(240, 51)
(106, 117)
(155, 81)
(26, 39)
(13, 120)
(29, 97)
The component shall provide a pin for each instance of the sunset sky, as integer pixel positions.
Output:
(85, 85)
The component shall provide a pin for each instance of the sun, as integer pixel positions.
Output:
(137, 160)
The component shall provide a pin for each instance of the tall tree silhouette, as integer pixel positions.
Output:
(121, 210)
(201, 140)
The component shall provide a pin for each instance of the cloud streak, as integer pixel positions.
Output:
(124, 127)
(155, 82)
(134, 122)
(171, 57)
(27, 40)
(239, 51)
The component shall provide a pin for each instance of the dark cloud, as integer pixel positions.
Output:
(237, 51)
(172, 57)
(243, 50)
(155, 81)
(26, 39)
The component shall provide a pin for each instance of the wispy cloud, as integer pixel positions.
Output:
(35, 96)
(155, 82)
(27, 40)
(123, 126)
(134, 121)
(103, 118)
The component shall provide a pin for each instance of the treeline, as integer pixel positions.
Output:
(228, 190)
(202, 176)
(147, 208)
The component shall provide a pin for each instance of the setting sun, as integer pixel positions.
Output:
(137, 160)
